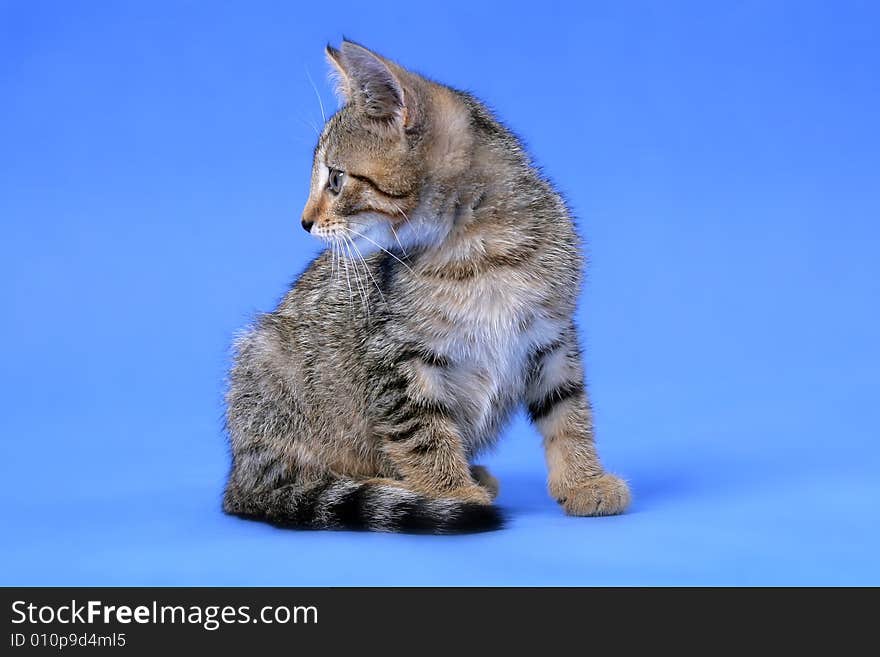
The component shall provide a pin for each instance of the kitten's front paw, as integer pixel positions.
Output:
(485, 479)
(603, 495)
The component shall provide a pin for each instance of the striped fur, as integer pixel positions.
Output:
(444, 300)
(340, 503)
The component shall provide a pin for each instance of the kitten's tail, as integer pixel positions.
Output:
(346, 504)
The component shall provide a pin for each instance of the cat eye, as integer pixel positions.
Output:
(335, 179)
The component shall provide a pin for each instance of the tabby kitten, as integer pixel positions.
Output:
(444, 300)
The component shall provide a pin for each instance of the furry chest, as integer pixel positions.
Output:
(489, 351)
(482, 328)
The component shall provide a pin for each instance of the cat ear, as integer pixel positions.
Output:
(337, 74)
(368, 82)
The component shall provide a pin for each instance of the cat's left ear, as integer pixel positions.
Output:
(337, 74)
(366, 80)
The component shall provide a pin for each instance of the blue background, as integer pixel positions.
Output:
(722, 159)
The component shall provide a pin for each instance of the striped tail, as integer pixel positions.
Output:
(346, 504)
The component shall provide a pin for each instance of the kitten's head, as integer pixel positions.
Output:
(395, 132)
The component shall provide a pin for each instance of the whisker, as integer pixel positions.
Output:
(406, 219)
(367, 269)
(396, 237)
(400, 209)
(381, 247)
(344, 261)
(338, 257)
(360, 259)
(317, 95)
(337, 263)
(306, 122)
(358, 283)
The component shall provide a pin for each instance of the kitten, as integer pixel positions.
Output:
(444, 300)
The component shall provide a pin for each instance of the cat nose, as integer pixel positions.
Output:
(307, 225)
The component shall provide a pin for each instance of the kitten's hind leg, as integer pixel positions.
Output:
(418, 429)
(425, 447)
(485, 479)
